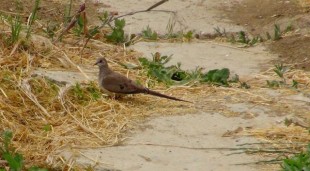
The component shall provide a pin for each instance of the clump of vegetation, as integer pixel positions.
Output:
(83, 94)
(16, 27)
(244, 39)
(298, 162)
(280, 70)
(173, 74)
(277, 32)
(118, 34)
(32, 17)
(13, 160)
(148, 33)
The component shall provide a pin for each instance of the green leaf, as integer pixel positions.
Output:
(118, 34)
(15, 162)
(217, 76)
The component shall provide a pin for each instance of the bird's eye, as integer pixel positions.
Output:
(100, 61)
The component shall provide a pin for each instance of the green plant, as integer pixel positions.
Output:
(273, 83)
(280, 71)
(15, 160)
(16, 27)
(47, 127)
(175, 75)
(86, 93)
(298, 162)
(79, 27)
(277, 32)
(32, 17)
(289, 28)
(188, 35)
(78, 92)
(118, 34)
(148, 33)
(94, 91)
(295, 84)
(156, 69)
(242, 38)
(220, 32)
(217, 76)
(170, 28)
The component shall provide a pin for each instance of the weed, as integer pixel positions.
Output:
(175, 75)
(79, 27)
(78, 92)
(170, 28)
(16, 26)
(15, 160)
(298, 162)
(32, 17)
(117, 35)
(47, 128)
(94, 91)
(188, 35)
(220, 32)
(289, 28)
(277, 32)
(84, 94)
(244, 85)
(242, 38)
(280, 70)
(273, 83)
(148, 33)
(295, 84)
(156, 69)
(217, 76)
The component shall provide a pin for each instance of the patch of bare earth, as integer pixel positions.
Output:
(259, 17)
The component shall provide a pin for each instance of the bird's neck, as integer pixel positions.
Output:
(103, 71)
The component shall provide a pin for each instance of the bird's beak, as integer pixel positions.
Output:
(96, 63)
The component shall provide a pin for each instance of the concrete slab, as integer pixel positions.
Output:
(198, 15)
(189, 142)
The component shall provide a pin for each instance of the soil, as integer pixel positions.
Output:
(258, 18)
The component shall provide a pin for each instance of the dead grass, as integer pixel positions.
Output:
(304, 3)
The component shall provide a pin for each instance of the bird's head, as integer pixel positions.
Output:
(101, 62)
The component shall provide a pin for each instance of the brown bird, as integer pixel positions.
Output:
(115, 83)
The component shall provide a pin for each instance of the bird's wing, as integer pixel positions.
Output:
(118, 83)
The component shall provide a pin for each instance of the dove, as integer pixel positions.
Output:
(115, 83)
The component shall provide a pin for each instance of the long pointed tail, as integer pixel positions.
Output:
(154, 93)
